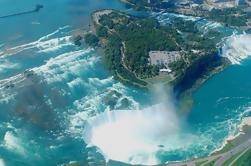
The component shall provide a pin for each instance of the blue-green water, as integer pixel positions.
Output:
(44, 111)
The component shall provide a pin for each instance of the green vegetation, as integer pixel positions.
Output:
(200, 163)
(139, 41)
(233, 143)
(112, 59)
(211, 163)
(231, 159)
(127, 41)
(101, 31)
(139, 37)
(245, 159)
(143, 4)
(235, 16)
(229, 16)
(91, 40)
(227, 147)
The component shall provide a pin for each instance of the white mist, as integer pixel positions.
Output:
(237, 48)
(137, 136)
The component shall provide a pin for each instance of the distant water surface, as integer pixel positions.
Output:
(49, 89)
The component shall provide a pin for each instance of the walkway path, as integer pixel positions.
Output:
(232, 152)
(221, 158)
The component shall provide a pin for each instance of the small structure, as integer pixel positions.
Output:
(165, 70)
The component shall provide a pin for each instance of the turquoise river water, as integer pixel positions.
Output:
(59, 105)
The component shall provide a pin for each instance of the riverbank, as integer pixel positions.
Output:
(201, 81)
(243, 135)
(231, 15)
(103, 26)
(233, 150)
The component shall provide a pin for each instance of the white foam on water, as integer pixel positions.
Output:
(100, 82)
(100, 92)
(51, 42)
(13, 143)
(75, 82)
(94, 103)
(235, 129)
(203, 25)
(6, 98)
(2, 163)
(209, 25)
(54, 44)
(59, 68)
(68, 67)
(161, 16)
(165, 18)
(138, 136)
(224, 99)
(6, 94)
(16, 78)
(42, 46)
(1, 45)
(96, 98)
(237, 48)
(6, 64)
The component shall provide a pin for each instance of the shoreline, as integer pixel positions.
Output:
(232, 141)
(197, 83)
(239, 140)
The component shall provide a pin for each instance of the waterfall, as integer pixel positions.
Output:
(237, 48)
(138, 136)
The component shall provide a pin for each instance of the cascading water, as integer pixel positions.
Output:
(78, 94)
(138, 136)
(237, 48)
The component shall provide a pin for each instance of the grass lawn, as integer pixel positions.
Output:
(210, 163)
(231, 159)
(230, 145)
(244, 160)
(200, 163)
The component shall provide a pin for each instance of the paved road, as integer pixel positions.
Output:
(227, 155)
(238, 157)
(223, 157)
